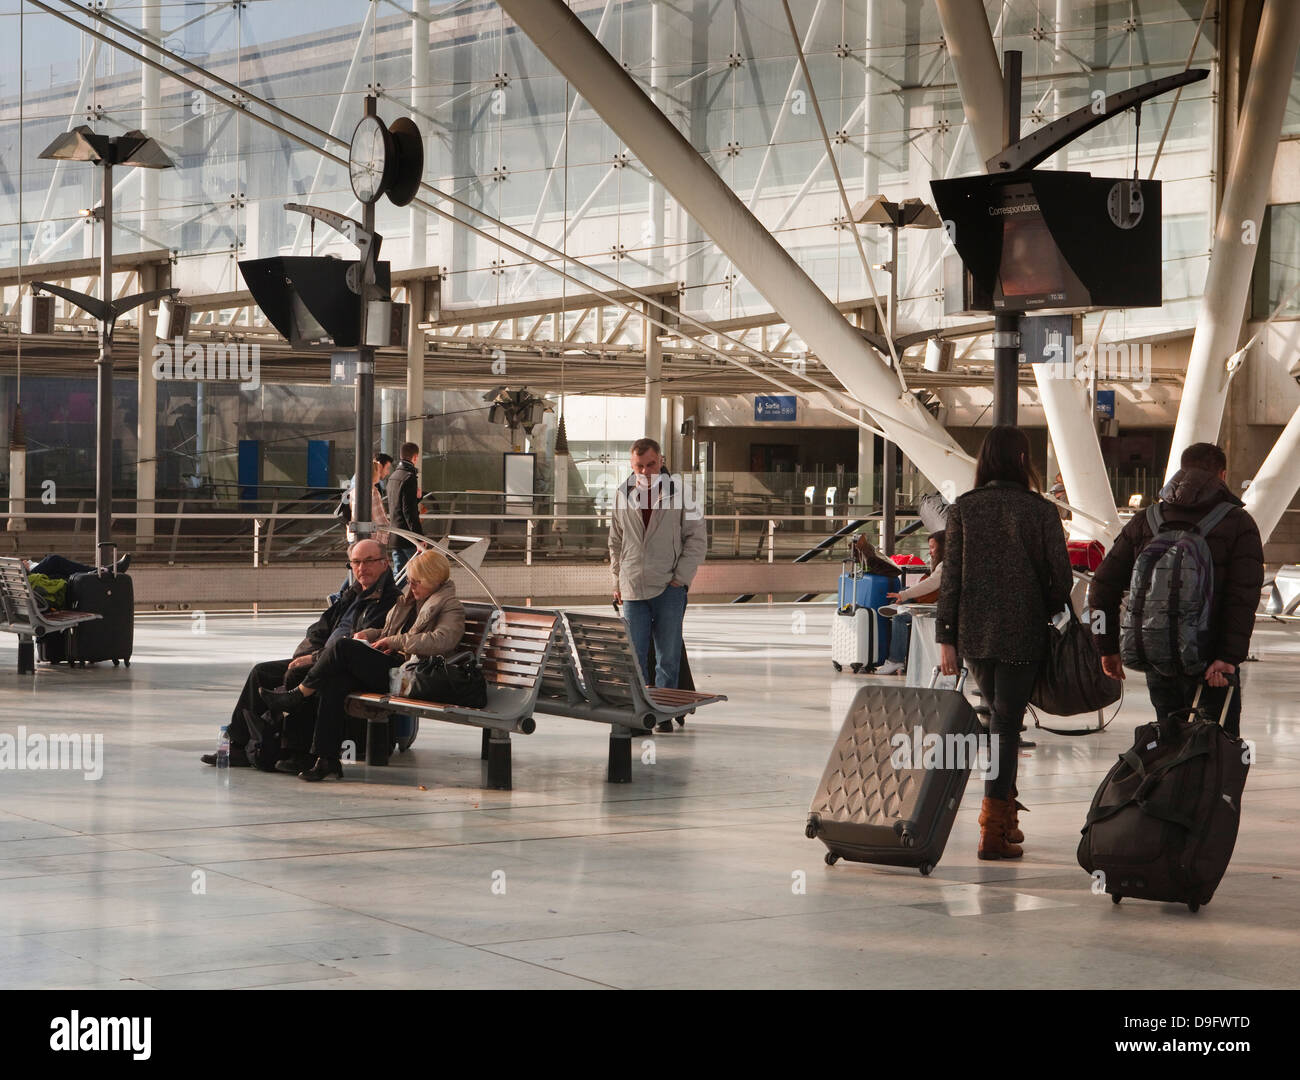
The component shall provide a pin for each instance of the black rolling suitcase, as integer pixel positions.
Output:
(52, 647)
(1163, 824)
(875, 802)
(111, 596)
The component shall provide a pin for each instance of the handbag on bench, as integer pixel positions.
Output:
(449, 680)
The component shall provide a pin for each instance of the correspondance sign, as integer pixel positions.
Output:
(775, 407)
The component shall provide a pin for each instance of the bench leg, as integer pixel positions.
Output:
(487, 738)
(26, 656)
(378, 745)
(498, 759)
(620, 756)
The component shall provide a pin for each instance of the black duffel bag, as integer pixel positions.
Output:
(1070, 680)
(450, 680)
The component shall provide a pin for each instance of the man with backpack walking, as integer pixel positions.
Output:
(1192, 566)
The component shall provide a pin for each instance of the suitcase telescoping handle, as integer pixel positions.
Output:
(1234, 681)
(961, 678)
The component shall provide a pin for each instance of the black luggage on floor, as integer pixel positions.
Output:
(108, 638)
(52, 647)
(876, 803)
(1163, 824)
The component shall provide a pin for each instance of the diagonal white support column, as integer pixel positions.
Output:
(1277, 481)
(596, 75)
(975, 65)
(1245, 192)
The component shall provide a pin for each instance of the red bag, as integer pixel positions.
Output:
(1085, 554)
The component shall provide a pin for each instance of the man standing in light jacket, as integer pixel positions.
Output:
(657, 542)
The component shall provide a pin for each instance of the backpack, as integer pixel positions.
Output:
(1165, 625)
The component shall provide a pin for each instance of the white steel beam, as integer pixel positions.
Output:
(769, 267)
(1245, 193)
(1277, 481)
(975, 64)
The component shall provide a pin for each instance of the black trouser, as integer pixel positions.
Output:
(344, 666)
(1172, 698)
(56, 566)
(1006, 689)
(270, 675)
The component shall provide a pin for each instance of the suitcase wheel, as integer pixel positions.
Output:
(1193, 906)
(115, 663)
(837, 665)
(1115, 898)
(127, 662)
(856, 668)
(831, 858)
(925, 868)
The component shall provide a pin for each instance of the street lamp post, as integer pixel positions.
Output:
(909, 214)
(137, 150)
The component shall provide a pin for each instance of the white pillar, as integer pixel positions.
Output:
(146, 423)
(420, 98)
(705, 195)
(17, 473)
(1078, 453)
(654, 367)
(1245, 193)
(415, 365)
(866, 465)
(1277, 481)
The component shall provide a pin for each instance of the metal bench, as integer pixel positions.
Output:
(607, 673)
(21, 614)
(513, 648)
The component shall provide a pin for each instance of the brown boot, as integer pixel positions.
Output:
(994, 818)
(1014, 835)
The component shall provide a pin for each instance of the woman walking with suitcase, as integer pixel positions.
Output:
(1006, 573)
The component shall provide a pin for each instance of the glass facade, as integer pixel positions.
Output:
(506, 134)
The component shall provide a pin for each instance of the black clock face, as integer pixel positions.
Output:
(369, 159)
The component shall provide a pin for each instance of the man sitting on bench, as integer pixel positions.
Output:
(364, 605)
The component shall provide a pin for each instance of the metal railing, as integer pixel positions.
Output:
(268, 533)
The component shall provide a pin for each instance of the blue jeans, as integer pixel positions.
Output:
(900, 636)
(401, 556)
(56, 566)
(660, 619)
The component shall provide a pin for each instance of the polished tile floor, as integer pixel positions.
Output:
(164, 873)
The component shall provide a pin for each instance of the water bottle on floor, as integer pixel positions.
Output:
(223, 748)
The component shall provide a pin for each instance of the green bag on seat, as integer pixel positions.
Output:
(54, 591)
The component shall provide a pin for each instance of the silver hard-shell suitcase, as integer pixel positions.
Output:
(876, 801)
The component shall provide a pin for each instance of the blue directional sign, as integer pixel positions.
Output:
(775, 407)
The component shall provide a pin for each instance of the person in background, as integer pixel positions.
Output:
(1192, 492)
(1058, 492)
(427, 620)
(925, 591)
(656, 544)
(378, 513)
(404, 504)
(1006, 573)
